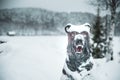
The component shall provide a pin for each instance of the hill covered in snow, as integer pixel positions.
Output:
(37, 21)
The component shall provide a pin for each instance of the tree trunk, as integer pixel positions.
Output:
(111, 36)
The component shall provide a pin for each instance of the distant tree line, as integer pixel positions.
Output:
(37, 21)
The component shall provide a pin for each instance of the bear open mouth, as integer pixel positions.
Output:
(79, 49)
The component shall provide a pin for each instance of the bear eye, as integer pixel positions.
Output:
(84, 33)
(73, 34)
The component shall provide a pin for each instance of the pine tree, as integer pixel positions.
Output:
(99, 38)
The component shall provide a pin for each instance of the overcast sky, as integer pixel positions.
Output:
(54, 5)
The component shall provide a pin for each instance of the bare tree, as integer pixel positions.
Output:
(112, 6)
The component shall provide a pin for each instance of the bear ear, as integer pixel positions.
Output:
(67, 27)
(88, 25)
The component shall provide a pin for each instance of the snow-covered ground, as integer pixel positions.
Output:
(43, 57)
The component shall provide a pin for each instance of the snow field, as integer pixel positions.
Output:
(43, 57)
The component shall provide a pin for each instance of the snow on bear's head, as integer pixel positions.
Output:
(78, 28)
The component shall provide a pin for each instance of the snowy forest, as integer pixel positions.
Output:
(37, 21)
(32, 21)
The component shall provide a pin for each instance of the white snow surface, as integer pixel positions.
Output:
(43, 57)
